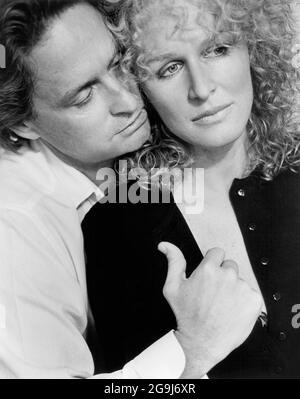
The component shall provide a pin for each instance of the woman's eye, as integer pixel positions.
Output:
(170, 70)
(86, 99)
(217, 51)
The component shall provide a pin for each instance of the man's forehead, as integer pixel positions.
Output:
(76, 45)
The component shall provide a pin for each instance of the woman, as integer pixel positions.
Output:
(220, 77)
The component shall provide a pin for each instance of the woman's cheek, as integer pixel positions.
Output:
(169, 110)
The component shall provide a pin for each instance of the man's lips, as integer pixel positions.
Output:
(140, 119)
(211, 112)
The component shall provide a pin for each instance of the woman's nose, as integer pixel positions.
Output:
(202, 84)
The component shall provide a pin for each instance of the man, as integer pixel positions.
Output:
(67, 109)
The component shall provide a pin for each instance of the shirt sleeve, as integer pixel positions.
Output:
(163, 360)
(43, 317)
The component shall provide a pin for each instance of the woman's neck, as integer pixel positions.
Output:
(223, 164)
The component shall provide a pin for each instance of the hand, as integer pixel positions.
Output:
(215, 310)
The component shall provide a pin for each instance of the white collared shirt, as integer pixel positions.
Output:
(43, 295)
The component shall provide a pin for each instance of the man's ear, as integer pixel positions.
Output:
(26, 131)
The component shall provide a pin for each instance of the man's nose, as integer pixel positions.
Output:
(125, 98)
(202, 84)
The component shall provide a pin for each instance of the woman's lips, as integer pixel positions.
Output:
(213, 115)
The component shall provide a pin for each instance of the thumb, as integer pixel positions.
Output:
(176, 265)
(230, 264)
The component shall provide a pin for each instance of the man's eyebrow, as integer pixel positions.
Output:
(69, 97)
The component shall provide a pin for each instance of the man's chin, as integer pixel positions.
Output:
(138, 140)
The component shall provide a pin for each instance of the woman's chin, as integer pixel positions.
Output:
(212, 144)
(213, 139)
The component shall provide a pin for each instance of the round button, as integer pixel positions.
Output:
(252, 227)
(278, 369)
(277, 296)
(241, 193)
(282, 336)
(265, 261)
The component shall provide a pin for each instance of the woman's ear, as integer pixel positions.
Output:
(26, 131)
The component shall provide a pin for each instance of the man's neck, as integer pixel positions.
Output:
(90, 170)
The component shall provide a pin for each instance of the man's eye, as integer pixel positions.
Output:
(170, 70)
(217, 51)
(86, 99)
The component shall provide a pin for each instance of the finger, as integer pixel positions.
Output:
(214, 256)
(230, 264)
(176, 264)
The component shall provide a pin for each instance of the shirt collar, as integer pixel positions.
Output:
(72, 184)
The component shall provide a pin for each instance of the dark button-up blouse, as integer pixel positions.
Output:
(126, 272)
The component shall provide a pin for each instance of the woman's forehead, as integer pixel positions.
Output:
(179, 23)
(179, 12)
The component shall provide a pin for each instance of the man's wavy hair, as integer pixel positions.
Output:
(268, 28)
(22, 26)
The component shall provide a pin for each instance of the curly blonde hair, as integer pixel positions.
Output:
(267, 27)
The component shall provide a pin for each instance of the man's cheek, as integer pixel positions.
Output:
(94, 119)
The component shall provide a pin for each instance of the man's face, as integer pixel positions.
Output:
(85, 112)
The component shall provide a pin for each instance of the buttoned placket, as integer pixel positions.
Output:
(242, 195)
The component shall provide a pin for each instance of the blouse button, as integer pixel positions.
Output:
(265, 261)
(277, 296)
(278, 370)
(282, 336)
(252, 227)
(241, 193)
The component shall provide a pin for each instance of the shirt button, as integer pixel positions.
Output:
(265, 261)
(241, 193)
(277, 296)
(282, 336)
(252, 227)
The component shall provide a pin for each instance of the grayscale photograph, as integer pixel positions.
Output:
(149, 192)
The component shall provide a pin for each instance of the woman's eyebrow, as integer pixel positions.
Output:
(208, 41)
(160, 57)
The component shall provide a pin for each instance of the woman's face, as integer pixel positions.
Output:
(200, 86)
